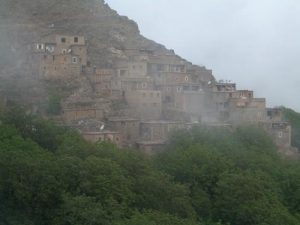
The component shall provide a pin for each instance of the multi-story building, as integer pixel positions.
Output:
(60, 56)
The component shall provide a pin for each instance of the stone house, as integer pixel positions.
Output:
(145, 104)
(60, 56)
(281, 133)
(159, 130)
(274, 114)
(82, 109)
(128, 127)
(101, 81)
(130, 69)
(99, 136)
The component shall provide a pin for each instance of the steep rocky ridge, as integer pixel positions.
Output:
(25, 21)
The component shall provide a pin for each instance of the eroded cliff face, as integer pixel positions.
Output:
(24, 21)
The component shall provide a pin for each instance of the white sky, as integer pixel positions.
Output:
(255, 43)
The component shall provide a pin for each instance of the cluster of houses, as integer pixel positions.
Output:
(159, 93)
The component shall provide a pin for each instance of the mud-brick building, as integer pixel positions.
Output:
(280, 133)
(60, 55)
(244, 108)
(159, 130)
(82, 109)
(196, 105)
(121, 85)
(106, 135)
(128, 127)
(145, 104)
(101, 81)
(130, 68)
(274, 114)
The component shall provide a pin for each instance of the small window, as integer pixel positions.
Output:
(74, 60)
(178, 89)
(40, 46)
(280, 134)
(75, 39)
(64, 51)
(186, 78)
(63, 40)
(144, 85)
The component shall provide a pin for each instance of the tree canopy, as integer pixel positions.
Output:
(49, 175)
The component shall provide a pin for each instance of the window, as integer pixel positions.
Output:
(280, 134)
(178, 89)
(64, 51)
(144, 85)
(186, 78)
(74, 60)
(63, 40)
(49, 48)
(40, 46)
(75, 39)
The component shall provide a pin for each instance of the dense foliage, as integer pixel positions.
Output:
(294, 118)
(50, 175)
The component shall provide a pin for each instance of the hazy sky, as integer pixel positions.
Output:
(255, 43)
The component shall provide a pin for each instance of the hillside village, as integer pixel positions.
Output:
(140, 98)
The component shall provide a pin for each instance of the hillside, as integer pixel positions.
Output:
(24, 21)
